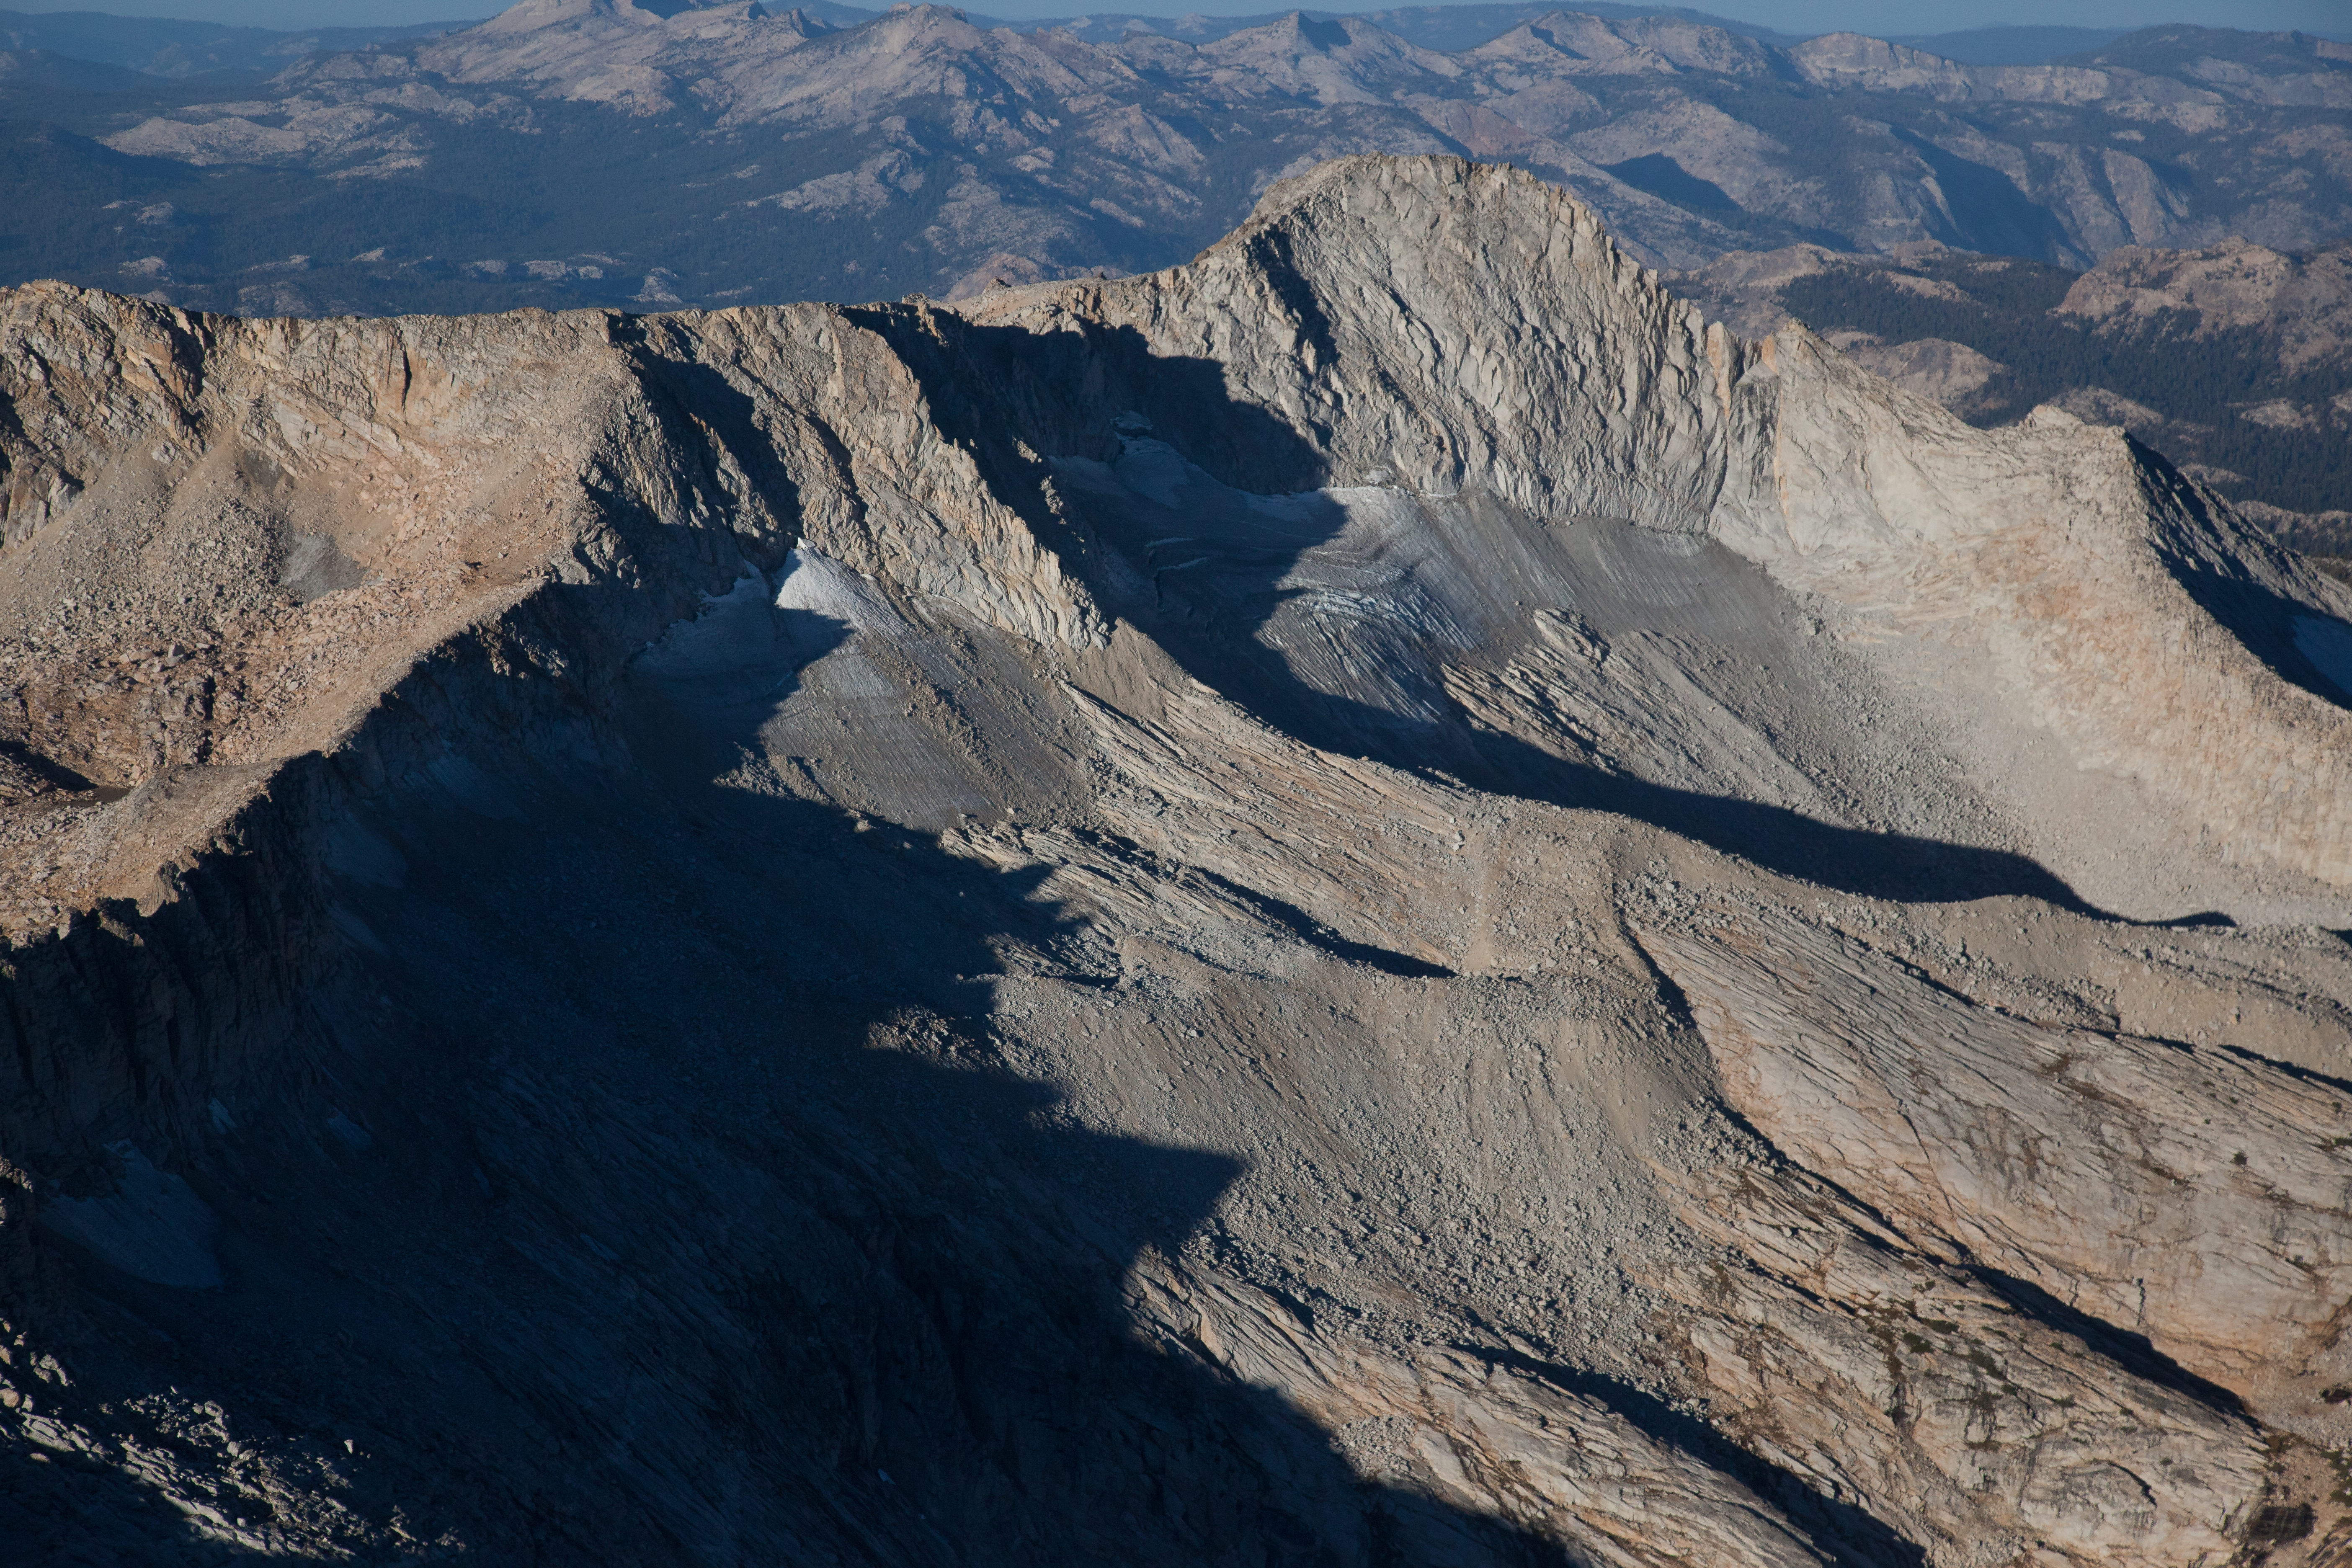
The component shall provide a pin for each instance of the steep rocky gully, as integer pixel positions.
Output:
(1376, 900)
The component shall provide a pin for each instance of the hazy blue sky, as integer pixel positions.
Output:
(1881, 16)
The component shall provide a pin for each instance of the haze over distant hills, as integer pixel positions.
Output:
(739, 154)
(171, 47)
(168, 48)
(574, 153)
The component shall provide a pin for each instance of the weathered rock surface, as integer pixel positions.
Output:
(1380, 899)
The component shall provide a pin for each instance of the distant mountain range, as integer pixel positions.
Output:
(574, 152)
(604, 152)
(168, 48)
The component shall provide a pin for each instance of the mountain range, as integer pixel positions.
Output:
(161, 46)
(595, 151)
(1381, 898)
(584, 151)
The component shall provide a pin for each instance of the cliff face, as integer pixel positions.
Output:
(1378, 899)
(2232, 361)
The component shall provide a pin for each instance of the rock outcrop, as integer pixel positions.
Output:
(1379, 899)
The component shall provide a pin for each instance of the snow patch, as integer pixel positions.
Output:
(816, 585)
(152, 1227)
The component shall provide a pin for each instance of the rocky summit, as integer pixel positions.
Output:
(1381, 899)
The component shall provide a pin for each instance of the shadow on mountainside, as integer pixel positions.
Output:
(1068, 391)
(1217, 646)
(1893, 866)
(2273, 627)
(997, 389)
(1006, 395)
(1983, 210)
(655, 1193)
(1847, 1535)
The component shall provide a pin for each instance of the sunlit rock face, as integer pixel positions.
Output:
(1380, 899)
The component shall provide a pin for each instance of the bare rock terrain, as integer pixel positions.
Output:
(2233, 360)
(1383, 898)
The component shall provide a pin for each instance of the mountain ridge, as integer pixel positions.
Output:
(1321, 898)
(2231, 360)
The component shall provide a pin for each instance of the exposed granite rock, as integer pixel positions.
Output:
(1382, 895)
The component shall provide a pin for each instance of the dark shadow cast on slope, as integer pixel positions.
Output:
(1315, 933)
(1892, 865)
(1845, 1535)
(1983, 210)
(2263, 620)
(1065, 392)
(995, 390)
(661, 1196)
(2132, 1351)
